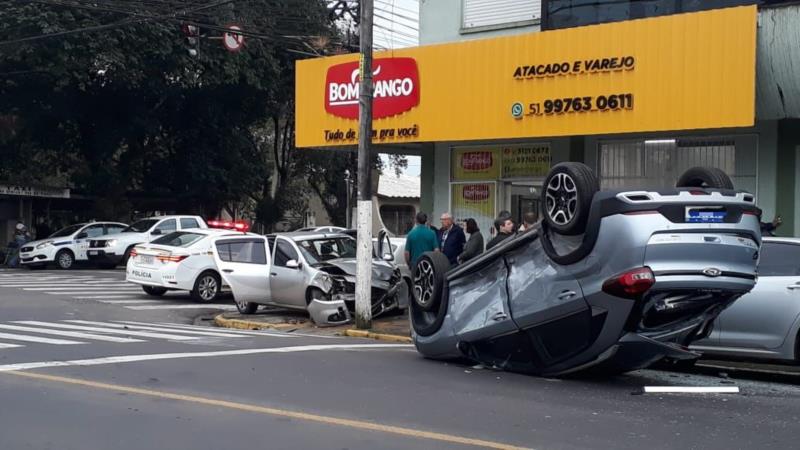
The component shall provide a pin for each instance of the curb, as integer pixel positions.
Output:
(378, 336)
(238, 324)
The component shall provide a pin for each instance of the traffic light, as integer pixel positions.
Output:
(192, 33)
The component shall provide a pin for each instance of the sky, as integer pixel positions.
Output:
(396, 24)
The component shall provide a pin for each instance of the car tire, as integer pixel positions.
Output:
(154, 291)
(245, 307)
(568, 192)
(65, 259)
(206, 287)
(705, 177)
(428, 301)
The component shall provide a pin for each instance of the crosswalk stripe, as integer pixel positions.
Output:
(50, 285)
(95, 297)
(41, 340)
(76, 294)
(126, 302)
(194, 306)
(2, 345)
(72, 334)
(107, 330)
(168, 325)
(86, 288)
(206, 332)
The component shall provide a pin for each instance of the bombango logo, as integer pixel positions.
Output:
(396, 88)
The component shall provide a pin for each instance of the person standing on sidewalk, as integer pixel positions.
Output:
(421, 239)
(474, 245)
(451, 238)
(506, 230)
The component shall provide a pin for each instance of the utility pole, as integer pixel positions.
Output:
(364, 227)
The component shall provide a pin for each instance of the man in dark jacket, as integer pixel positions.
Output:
(505, 229)
(451, 238)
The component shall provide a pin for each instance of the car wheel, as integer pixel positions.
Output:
(245, 307)
(568, 192)
(154, 291)
(705, 177)
(428, 301)
(65, 260)
(206, 287)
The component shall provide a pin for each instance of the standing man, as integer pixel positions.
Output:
(451, 239)
(421, 239)
(529, 219)
(506, 230)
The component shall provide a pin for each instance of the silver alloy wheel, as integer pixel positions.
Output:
(207, 288)
(65, 260)
(561, 199)
(423, 283)
(241, 304)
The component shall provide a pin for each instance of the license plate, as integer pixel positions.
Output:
(146, 259)
(705, 214)
(94, 252)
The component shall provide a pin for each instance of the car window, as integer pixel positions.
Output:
(284, 252)
(114, 228)
(242, 251)
(167, 226)
(93, 231)
(179, 239)
(318, 250)
(779, 260)
(68, 231)
(189, 223)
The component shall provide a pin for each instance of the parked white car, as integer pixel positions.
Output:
(114, 249)
(66, 246)
(182, 261)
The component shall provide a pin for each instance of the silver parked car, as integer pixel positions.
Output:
(764, 324)
(313, 272)
(610, 281)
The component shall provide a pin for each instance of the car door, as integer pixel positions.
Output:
(243, 264)
(288, 284)
(164, 227)
(88, 232)
(763, 318)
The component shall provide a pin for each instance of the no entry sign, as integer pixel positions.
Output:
(232, 40)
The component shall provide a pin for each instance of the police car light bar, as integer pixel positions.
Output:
(229, 225)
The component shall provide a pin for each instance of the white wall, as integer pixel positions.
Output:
(440, 21)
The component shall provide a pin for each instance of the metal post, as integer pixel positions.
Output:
(364, 227)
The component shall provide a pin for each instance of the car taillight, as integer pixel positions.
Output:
(134, 253)
(171, 258)
(229, 225)
(630, 284)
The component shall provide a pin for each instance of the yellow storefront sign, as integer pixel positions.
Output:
(687, 71)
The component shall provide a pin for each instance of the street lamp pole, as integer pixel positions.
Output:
(364, 228)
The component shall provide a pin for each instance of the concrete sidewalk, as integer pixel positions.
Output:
(391, 327)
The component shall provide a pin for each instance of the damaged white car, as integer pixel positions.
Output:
(308, 271)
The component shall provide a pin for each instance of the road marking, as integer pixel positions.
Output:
(125, 302)
(162, 356)
(691, 390)
(73, 334)
(87, 288)
(41, 340)
(109, 297)
(2, 345)
(87, 284)
(227, 330)
(194, 306)
(149, 328)
(327, 420)
(111, 330)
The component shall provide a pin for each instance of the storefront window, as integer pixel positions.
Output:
(575, 13)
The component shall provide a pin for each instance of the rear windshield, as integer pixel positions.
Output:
(179, 239)
(140, 226)
(67, 231)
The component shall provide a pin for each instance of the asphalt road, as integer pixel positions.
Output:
(164, 383)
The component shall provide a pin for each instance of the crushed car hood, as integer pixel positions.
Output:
(381, 270)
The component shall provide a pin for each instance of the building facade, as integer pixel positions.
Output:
(640, 91)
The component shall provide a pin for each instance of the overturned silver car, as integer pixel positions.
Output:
(314, 272)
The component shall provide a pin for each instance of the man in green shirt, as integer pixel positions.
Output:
(420, 239)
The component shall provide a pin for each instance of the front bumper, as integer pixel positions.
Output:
(104, 256)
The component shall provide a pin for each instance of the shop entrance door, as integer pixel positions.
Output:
(522, 197)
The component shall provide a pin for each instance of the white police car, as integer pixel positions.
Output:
(109, 251)
(183, 261)
(66, 246)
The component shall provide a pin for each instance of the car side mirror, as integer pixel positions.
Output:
(293, 264)
(156, 232)
(82, 235)
(388, 257)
